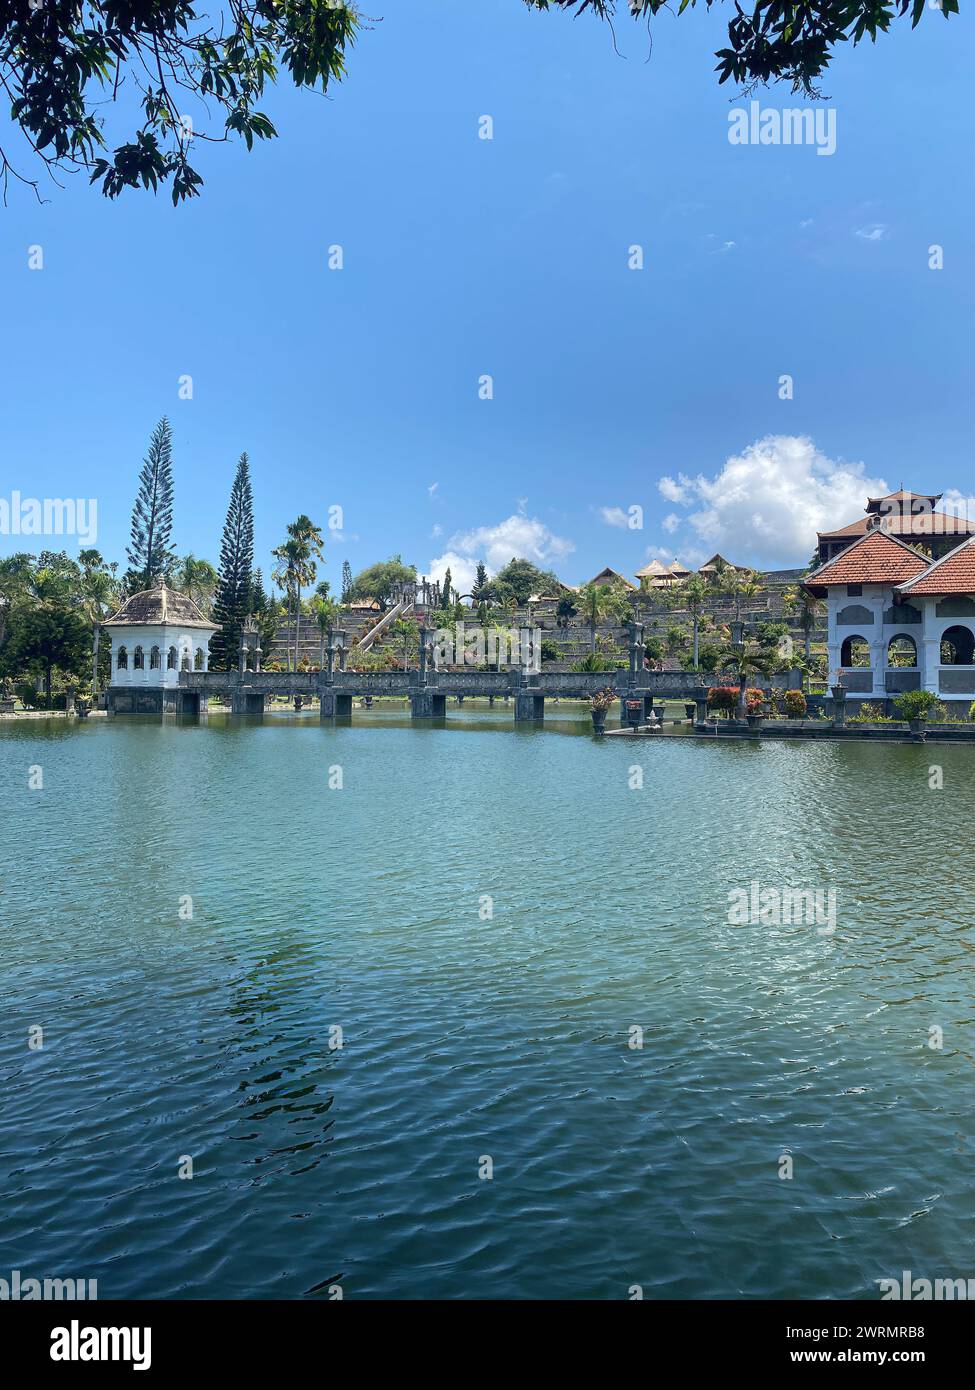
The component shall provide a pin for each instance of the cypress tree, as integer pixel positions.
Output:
(150, 554)
(346, 581)
(233, 603)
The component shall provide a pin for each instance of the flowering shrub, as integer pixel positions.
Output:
(795, 704)
(726, 697)
(723, 697)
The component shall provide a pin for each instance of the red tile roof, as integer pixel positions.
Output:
(954, 574)
(875, 559)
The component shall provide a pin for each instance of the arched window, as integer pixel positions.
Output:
(138, 660)
(171, 659)
(198, 660)
(855, 652)
(184, 664)
(958, 647)
(154, 659)
(901, 651)
(122, 660)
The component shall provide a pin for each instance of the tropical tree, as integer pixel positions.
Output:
(597, 602)
(518, 580)
(480, 582)
(326, 612)
(149, 553)
(747, 661)
(198, 580)
(68, 70)
(233, 602)
(346, 581)
(98, 594)
(265, 611)
(290, 555)
(297, 567)
(694, 594)
(408, 632)
(378, 581)
(807, 611)
(47, 636)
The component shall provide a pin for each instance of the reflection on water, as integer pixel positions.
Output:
(379, 985)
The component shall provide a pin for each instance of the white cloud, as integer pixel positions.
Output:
(463, 572)
(671, 522)
(675, 492)
(437, 531)
(518, 537)
(689, 555)
(615, 516)
(873, 231)
(432, 488)
(765, 505)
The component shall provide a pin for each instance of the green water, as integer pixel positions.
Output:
(468, 1035)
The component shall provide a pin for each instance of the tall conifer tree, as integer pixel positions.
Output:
(233, 604)
(346, 581)
(150, 554)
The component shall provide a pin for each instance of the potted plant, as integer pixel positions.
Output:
(755, 709)
(599, 703)
(839, 689)
(915, 706)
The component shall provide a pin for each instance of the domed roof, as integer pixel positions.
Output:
(159, 606)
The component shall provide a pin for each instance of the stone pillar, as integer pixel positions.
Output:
(423, 655)
(257, 657)
(701, 701)
(878, 665)
(426, 703)
(529, 706)
(839, 710)
(931, 678)
(633, 652)
(242, 655)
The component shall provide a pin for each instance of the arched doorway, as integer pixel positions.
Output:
(855, 651)
(901, 651)
(958, 646)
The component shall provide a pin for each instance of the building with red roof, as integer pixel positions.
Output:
(898, 619)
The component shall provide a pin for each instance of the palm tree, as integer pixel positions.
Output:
(309, 547)
(408, 631)
(198, 580)
(807, 610)
(694, 592)
(748, 661)
(289, 557)
(326, 611)
(598, 601)
(99, 594)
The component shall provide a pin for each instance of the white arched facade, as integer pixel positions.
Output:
(179, 649)
(868, 611)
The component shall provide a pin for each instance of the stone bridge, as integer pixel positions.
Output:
(429, 688)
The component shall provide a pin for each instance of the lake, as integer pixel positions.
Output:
(191, 912)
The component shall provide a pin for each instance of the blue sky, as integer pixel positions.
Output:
(359, 388)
